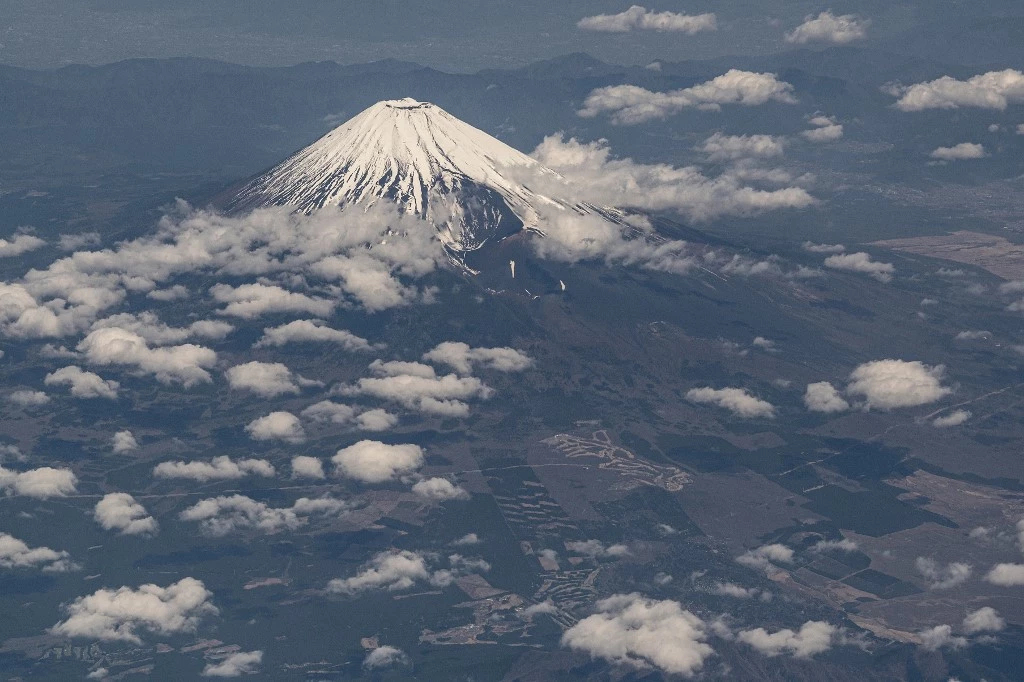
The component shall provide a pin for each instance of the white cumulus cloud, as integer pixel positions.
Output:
(277, 426)
(463, 359)
(123, 441)
(964, 150)
(219, 516)
(736, 400)
(40, 483)
(941, 577)
(221, 468)
(632, 104)
(265, 379)
(823, 397)
(992, 90)
(813, 637)
(766, 556)
(235, 665)
(83, 384)
(954, 418)
(596, 177)
(371, 461)
(1006, 575)
(304, 466)
(311, 331)
(633, 630)
(721, 147)
(439, 490)
(124, 614)
(185, 364)
(396, 570)
(985, 619)
(121, 512)
(829, 28)
(861, 262)
(28, 398)
(638, 18)
(889, 384)
(385, 657)
(15, 553)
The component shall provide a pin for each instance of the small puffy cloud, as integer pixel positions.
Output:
(415, 387)
(941, 577)
(633, 630)
(763, 557)
(632, 104)
(123, 441)
(638, 18)
(843, 545)
(973, 335)
(371, 461)
(265, 379)
(219, 516)
(829, 28)
(964, 150)
(40, 483)
(250, 301)
(311, 331)
(28, 398)
(277, 426)
(74, 242)
(861, 262)
(940, 636)
(376, 420)
(307, 467)
(825, 129)
(721, 147)
(595, 549)
(394, 570)
(727, 589)
(985, 619)
(83, 384)
(120, 512)
(813, 637)
(147, 325)
(992, 90)
(221, 468)
(385, 657)
(16, 554)
(1006, 575)
(591, 172)
(19, 244)
(235, 665)
(363, 256)
(185, 364)
(823, 397)
(736, 400)
(439, 489)
(954, 418)
(462, 358)
(175, 293)
(327, 411)
(811, 247)
(467, 539)
(123, 614)
(889, 384)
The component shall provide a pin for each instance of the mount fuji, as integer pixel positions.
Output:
(461, 181)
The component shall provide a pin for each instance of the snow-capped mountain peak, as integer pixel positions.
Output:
(430, 163)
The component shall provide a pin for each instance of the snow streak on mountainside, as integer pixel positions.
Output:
(431, 164)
